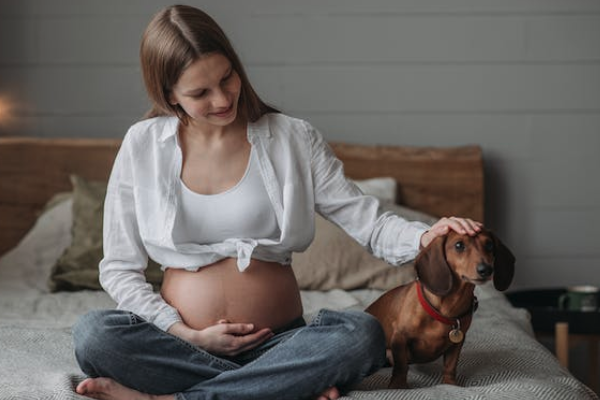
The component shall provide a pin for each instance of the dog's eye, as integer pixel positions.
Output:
(459, 246)
(489, 246)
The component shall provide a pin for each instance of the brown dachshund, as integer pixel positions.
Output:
(428, 318)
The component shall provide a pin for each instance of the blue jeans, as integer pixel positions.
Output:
(335, 349)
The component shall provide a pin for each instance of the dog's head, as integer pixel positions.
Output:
(474, 259)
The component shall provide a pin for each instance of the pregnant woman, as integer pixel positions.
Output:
(220, 189)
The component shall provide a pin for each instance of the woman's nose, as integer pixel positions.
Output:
(220, 98)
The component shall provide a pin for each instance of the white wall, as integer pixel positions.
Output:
(521, 78)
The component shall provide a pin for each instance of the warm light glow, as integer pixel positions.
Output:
(7, 117)
(5, 109)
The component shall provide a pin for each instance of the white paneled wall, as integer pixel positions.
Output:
(521, 78)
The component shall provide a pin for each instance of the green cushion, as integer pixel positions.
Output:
(77, 267)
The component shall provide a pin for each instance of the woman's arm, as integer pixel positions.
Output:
(125, 258)
(384, 234)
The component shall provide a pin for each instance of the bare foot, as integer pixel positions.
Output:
(108, 389)
(330, 394)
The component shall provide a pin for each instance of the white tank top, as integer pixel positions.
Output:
(244, 211)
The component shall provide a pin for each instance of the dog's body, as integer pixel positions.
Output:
(428, 318)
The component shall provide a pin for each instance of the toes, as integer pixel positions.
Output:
(83, 386)
(95, 386)
(334, 393)
(330, 394)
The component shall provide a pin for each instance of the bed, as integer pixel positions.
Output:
(49, 191)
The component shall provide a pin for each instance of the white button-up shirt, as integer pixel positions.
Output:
(301, 175)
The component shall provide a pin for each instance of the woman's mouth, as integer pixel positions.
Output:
(225, 113)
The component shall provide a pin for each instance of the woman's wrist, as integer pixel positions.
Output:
(181, 330)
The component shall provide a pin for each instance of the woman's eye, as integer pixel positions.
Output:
(459, 246)
(227, 77)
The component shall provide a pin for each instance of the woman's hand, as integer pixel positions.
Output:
(464, 226)
(224, 339)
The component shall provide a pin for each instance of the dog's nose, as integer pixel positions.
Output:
(485, 270)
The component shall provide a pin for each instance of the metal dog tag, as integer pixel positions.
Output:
(456, 336)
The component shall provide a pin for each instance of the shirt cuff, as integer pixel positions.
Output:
(166, 319)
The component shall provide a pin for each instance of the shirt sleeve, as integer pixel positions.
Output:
(125, 258)
(384, 234)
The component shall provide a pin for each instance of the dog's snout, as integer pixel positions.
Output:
(485, 270)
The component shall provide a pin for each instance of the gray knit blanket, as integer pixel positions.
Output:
(501, 358)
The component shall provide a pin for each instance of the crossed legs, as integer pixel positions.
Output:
(337, 349)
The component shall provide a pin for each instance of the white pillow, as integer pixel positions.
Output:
(383, 188)
(28, 265)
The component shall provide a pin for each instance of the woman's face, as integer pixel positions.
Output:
(208, 91)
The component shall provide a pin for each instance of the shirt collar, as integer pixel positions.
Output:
(169, 128)
(259, 128)
(255, 129)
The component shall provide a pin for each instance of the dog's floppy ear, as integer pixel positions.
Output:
(504, 265)
(432, 269)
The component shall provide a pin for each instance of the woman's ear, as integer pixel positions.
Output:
(432, 269)
(171, 98)
(504, 265)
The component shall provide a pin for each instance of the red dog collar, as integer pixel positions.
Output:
(435, 313)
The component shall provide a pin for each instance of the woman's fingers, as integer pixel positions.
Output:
(237, 338)
(463, 226)
(247, 342)
(235, 328)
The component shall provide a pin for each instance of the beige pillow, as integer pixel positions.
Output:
(336, 261)
(77, 267)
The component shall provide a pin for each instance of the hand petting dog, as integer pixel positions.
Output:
(464, 226)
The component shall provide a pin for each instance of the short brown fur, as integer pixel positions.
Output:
(448, 269)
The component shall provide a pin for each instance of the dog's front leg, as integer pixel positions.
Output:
(451, 362)
(400, 370)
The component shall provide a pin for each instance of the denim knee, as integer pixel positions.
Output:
(363, 336)
(94, 326)
(368, 331)
(92, 333)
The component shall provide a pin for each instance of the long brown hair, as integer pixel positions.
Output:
(176, 37)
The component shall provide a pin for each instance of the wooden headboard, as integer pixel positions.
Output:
(439, 181)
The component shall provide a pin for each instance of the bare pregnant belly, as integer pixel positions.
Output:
(266, 294)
